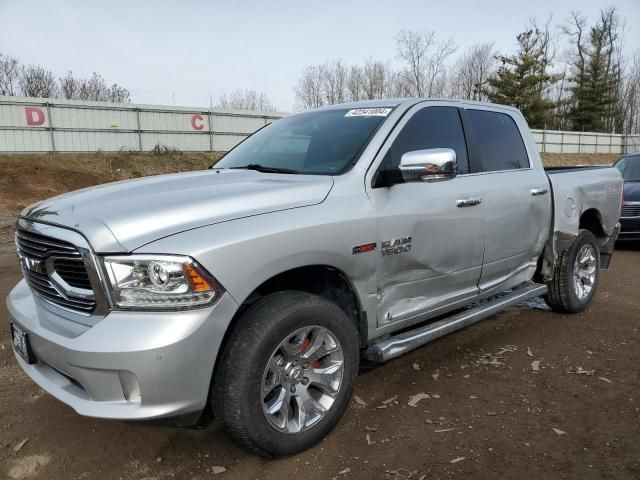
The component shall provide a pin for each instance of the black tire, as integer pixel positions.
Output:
(562, 296)
(237, 387)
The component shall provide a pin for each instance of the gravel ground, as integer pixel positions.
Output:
(484, 411)
(489, 413)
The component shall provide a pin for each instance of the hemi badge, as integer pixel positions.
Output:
(367, 247)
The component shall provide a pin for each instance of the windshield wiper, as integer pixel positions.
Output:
(263, 169)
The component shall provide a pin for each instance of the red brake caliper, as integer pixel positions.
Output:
(305, 345)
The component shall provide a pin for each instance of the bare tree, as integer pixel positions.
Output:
(471, 71)
(376, 75)
(426, 61)
(630, 96)
(119, 94)
(355, 84)
(334, 82)
(94, 89)
(334, 75)
(309, 91)
(246, 100)
(437, 67)
(413, 48)
(69, 86)
(396, 85)
(9, 75)
(36, 81)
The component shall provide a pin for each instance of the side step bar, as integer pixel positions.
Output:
(404, 342)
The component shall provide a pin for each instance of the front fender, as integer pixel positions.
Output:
(244, 253)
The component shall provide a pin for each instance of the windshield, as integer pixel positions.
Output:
(629, 168)
(321, 142)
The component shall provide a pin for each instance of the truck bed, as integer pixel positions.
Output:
(580, 189)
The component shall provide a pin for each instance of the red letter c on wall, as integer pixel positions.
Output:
(35, 116)
(196, 122)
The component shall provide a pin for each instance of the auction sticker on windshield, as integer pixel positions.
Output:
(368, 112)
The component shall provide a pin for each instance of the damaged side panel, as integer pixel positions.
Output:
(577, 193)
(432, 250)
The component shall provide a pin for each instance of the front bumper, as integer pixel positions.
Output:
(130, 365)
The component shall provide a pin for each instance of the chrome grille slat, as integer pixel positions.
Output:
(67, 263)
(58, 300)
(630, 210)
(28, 250)
(45, 241)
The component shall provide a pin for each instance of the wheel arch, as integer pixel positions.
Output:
(320, 279)
(591, 219)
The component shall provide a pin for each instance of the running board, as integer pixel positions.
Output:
(404, 342)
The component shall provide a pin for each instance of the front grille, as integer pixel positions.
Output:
(67, 263)
(630, 210)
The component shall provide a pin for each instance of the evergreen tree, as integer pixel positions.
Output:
(595, 92)
(523, 79)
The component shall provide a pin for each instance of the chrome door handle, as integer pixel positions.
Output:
(468, 202)
(539, 191)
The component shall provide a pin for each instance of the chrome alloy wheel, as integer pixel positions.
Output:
(584, 272)
(302, 379)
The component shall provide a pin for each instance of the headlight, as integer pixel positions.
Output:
(163, 282)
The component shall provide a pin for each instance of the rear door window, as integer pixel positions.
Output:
(497, 143)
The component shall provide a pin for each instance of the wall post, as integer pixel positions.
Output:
(53, 141)
(211, 131)
(139, 128)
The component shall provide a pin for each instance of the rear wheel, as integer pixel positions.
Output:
(286, 374)
(575, 276)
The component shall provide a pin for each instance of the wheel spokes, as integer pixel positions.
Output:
(327, 379)
(320, 345)
(584, 272)
(302, 379)
(308, 411)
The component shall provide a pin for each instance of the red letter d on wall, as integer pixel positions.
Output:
(35, 116)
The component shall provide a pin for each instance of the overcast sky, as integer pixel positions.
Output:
(188, 50)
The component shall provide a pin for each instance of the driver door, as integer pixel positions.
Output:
(437, 241)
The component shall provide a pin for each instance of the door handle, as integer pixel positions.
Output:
(539, 191)
(468, 202)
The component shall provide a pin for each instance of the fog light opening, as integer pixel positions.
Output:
(130, 386)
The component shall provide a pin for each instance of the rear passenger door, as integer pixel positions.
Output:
(518, 200)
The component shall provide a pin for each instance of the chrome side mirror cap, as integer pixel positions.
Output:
(434, 164)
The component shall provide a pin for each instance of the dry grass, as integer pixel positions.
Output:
(115, 166)
(572, 159)
(28, 178)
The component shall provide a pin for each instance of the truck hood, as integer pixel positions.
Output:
(632, 191)
(123, 216)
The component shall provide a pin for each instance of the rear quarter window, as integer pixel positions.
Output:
(497, 142)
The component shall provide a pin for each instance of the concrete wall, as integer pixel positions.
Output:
(32, 125)
(43, 125)
(555, 141)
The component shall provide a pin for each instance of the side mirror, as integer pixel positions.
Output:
(430, 165)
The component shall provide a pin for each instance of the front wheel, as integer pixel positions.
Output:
(286, 374)
(575, 275)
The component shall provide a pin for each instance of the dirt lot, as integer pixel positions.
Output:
(489, 415)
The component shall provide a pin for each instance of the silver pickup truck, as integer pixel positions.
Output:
(253, 289)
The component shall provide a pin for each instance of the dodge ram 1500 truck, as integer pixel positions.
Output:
(253, 289)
